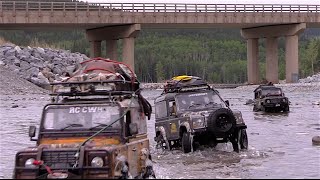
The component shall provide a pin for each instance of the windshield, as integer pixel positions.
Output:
(198, 100)
(271, 92)
(80, 116)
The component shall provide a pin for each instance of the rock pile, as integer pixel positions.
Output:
(311, 79)
(39, 65)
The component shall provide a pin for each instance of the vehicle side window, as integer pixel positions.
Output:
(172, 108)
(161, 109)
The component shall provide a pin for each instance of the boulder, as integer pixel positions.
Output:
(316, 140)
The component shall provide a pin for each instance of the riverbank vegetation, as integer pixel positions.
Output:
(217, 55)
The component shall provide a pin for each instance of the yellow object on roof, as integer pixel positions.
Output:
(182, 78)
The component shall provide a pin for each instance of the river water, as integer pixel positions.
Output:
(280, 145)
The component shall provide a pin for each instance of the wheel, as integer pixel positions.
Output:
(243, 139)
(162, 143)
(222, 121)
(186, 142)
(255, 109)
(240, 140)
(286, 109)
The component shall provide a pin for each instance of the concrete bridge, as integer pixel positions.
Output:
(113, 21)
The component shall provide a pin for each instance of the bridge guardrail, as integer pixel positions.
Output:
(155, 7)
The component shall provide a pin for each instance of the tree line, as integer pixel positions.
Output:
(216, 55)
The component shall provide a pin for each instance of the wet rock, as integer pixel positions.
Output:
(14, 106)
(316, 103)
(316, 140)
(250, 101)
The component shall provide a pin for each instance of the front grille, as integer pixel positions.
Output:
(276, 100)
(59, 159)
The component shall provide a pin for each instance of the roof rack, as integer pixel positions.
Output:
(82, 88)
(265, 86)
(185, 84)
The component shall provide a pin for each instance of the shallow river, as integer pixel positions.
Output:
(280, 145)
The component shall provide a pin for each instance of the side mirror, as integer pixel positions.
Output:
(133, 128)
(227, 102)
(32, 131)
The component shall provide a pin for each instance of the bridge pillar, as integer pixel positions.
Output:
(292, 64)
(111, 34)
(272, 32)
(253, 62)
(272, 60)
(95, 49)
(128, 52)
(111, 49)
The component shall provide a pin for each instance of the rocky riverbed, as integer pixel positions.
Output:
(39, 65)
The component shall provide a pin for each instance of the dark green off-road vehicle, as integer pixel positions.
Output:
(269, 98)
(190, 113)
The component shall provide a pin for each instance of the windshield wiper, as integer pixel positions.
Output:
(100, 124)
(71, 125)
(195, 104)
(211, 103)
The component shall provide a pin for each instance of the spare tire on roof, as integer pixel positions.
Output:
(222, 121)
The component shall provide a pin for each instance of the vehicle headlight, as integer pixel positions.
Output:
(268, 101)
(29, 163)
(97, 162)
(198, 123)
(239, 119)
(284, 100)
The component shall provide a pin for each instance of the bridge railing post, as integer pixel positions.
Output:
(165, 8)
(99, 12)
(14, 7)
(64, 8)
(87, 8)
(144, 8)
(206, 9)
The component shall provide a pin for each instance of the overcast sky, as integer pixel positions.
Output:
(310, 2)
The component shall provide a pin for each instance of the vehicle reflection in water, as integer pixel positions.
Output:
(279, 143)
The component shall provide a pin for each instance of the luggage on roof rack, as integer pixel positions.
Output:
(98, 76)
(185, 83)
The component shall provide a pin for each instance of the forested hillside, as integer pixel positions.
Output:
(217, 55)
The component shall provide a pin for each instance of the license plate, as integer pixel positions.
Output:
(277, 105)
(58, 175)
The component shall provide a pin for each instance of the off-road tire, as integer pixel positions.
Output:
(186, 142)
(239, 140)
(162, 141)
(243, 139)
(219, 118)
